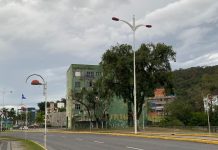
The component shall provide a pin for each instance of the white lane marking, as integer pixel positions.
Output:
(98, 142)
(79, 139)
(1, 145)
(9, 145)
(134, 148)
(63, 136)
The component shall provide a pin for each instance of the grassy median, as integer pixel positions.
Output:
(26, 144)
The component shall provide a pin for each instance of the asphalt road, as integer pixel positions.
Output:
(59, 141)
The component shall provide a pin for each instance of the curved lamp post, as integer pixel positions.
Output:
(134, 28)
(44, 84)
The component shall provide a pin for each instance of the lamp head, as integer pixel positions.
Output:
(36, 82)
(115, 19)
(148, 25)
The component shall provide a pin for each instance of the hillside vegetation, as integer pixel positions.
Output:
(190, 86)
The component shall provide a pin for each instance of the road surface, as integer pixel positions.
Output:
(60, 141)
(5, 145)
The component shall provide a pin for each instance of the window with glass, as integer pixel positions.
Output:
(77, 84)
(77, 106)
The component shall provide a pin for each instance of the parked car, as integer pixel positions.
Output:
(23, 128)
(34, 126)
(16, 126)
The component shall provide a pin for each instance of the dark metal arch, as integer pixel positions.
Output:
(35, 75)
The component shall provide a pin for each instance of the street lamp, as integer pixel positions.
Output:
(134, 28)
(36, 82)
(3, 105)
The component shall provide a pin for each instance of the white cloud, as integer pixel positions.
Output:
(46, 36)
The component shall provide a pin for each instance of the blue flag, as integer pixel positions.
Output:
(23, 97)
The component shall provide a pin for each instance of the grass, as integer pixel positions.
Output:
(27, 144)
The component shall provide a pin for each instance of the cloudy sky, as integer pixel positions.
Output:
(46, 36)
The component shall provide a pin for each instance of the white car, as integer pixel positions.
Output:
(23, 128)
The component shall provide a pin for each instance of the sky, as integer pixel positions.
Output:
(46, 36)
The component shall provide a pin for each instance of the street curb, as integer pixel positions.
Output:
(38, 144)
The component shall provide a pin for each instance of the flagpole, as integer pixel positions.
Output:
(23, 97)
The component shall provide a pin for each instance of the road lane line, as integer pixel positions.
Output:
(79, 139)
(98, 142)
(1, 145)
(134, 148)
(9, 145)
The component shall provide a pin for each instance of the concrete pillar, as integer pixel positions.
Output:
(69, 113)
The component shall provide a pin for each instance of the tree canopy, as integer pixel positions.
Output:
(153, 70)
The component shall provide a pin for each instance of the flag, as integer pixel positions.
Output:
(23, 97)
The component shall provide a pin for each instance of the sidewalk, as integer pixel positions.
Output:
(10, 145)
(16, 145)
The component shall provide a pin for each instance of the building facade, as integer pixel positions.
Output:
(57, 119)
(157, 105)
(79, 76)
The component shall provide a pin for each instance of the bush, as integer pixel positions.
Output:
(171, 121)
(198, 119)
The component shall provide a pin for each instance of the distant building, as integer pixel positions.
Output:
(157, 104)
(60, 105)
(210, 101)
(79, 76)
(52, 107)
(31, 115)
(57, 119)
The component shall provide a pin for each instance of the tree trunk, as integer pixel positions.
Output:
(130, 114)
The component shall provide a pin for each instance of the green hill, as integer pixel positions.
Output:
(190, 86)
(194, 83)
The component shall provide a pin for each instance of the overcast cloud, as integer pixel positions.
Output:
(46, 36)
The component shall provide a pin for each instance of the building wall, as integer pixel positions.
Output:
(118, 113)
(79, 76)
(156, 107)
(57, 119)
(60, 105)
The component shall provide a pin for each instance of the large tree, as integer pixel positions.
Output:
(153, 70)
(95, 100)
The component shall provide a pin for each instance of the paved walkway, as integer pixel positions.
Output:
(15, 145)
(10, 145)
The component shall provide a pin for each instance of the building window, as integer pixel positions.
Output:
(77, 84)
(90, 83)
(98, 73)
(77, 74)
(90, 74)
(77, 106)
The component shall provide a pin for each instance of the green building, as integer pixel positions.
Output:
(79, 76)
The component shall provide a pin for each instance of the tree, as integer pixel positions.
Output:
(180, 110)
(96, 100)
(12, 115)
(100, 97)
(61, 109)
(41, 106)
(40, 117)
(79, 97)
(152, 70)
